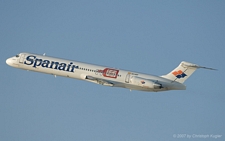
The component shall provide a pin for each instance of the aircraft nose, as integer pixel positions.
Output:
(9, 61)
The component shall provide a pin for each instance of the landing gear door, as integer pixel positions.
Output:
(128, 76)
(22, 56)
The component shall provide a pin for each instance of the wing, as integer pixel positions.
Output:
(99, 81)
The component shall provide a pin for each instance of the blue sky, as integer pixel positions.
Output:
(146, 36)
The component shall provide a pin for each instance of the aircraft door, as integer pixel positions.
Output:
(21, 58)
(128, 76)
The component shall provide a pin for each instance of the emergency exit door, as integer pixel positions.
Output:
(127, 79)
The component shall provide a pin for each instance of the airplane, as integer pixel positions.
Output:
(103, 75)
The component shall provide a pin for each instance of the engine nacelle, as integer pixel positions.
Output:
(145, 83)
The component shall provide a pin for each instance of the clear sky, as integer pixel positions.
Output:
(146, 36)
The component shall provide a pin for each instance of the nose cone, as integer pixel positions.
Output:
(9, 62)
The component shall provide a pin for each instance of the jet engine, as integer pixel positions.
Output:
(145, 83)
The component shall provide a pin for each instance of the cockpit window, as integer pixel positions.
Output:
(17, 55)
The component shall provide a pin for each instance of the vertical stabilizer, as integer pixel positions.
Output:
(183, 72)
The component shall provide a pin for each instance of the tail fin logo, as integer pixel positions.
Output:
(179, 74)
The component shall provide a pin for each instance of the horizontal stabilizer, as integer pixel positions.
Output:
(199, 67)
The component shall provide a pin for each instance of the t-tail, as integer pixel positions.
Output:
(183, 72)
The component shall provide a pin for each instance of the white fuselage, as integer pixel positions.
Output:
(93, 73)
